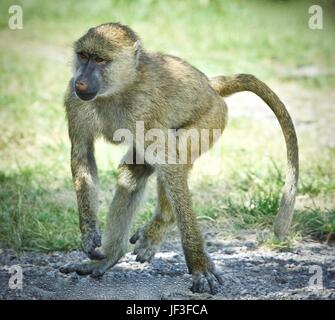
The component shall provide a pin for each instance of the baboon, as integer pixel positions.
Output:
(116, 83)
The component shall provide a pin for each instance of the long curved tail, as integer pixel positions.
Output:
(226, 86)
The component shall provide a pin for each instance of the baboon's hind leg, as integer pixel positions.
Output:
(148, 239)
(198, 262)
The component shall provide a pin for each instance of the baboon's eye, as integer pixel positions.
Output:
(99, 60)
(83, 55)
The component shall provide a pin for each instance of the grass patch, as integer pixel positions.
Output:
(28, 221)
(316, 222)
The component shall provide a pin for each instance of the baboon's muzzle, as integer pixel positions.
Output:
(84, 91)
(87, 84)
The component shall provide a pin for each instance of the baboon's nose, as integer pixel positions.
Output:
(81, 85)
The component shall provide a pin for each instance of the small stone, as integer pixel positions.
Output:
(229, 251)
(281, 280)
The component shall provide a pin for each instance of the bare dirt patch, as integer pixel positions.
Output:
(249, 272)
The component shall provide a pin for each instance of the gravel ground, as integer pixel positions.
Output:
(249, 272)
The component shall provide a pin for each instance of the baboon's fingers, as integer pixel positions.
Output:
(95, 268)
(101, 268)
(218, 278)
(145, 250)
(211, 282)
(135, 251)
(139, 259)
(135, 237)
(92, 245)
(198, 285)
(200, 279)
(67, 268)
(84, 269)
(81, 268)
(145, 254)
(149, 254)
(96, 254)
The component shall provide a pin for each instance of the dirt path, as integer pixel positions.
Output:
(249, 272)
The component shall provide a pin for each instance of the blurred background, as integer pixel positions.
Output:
(237, 183)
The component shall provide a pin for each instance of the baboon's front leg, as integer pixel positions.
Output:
(130, 187)
(85, 180)
(149, 238)
(198, 262)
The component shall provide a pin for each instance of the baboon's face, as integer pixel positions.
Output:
(105, 62)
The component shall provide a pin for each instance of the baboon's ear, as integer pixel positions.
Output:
(137, 50)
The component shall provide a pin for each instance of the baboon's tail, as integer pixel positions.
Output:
(226, 86)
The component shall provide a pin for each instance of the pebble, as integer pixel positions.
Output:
(229, 251)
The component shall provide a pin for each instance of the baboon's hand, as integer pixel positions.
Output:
(94, 268)
(145, 246)
(200, 279)
(91, 243)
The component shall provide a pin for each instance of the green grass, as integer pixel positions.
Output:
(238, 182)
(28, 221)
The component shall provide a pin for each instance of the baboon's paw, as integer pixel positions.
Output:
(92, 244)
(145, 253)
(202, 281)
(136, 236)
(96, 254)
(94, 268)
(145, 248)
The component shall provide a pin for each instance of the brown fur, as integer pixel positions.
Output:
(165, 92)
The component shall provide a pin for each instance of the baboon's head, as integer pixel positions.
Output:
(106, 59)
